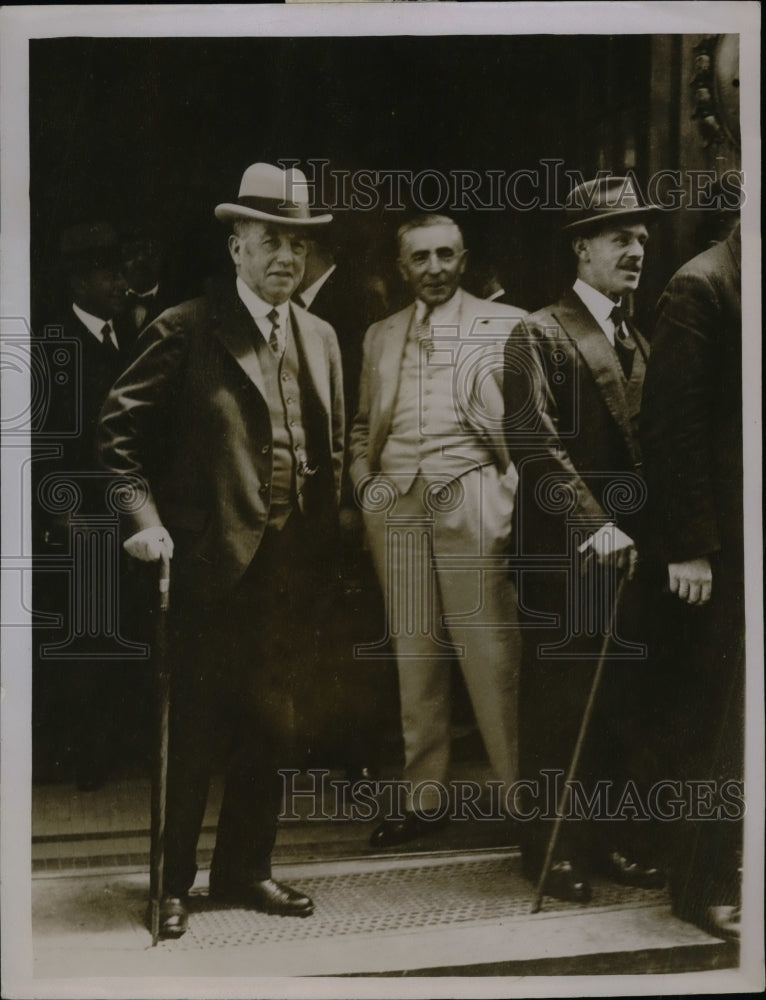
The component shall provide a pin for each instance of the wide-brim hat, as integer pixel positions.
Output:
(90, 244)
(269, 194)
(602, 201)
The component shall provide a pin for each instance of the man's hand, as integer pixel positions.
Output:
(610, 544)
(149, 545)
(691, 580)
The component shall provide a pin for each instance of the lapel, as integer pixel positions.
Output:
(235, 328)
(392, 339)
(311, 350)
(598, 354)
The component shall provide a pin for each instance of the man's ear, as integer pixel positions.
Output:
(233, 244)
(581, 247)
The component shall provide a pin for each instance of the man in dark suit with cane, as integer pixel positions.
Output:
(229, 424)
(573, 377)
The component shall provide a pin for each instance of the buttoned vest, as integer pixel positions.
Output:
(283, 397)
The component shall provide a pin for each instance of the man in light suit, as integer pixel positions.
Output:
(232, 418)
(573, 378)
(427, 441)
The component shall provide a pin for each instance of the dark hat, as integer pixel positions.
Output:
(598, 202)
(268, 194)
(91, 244)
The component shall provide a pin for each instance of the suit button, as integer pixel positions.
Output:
(289, 399)
(285, 377)
(264, 488)
(265, 449)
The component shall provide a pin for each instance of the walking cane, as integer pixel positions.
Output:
(160, 766)
(564, 799)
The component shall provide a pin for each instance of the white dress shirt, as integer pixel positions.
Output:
(309, 294)
(598, 305)
(260, 310)
(96, 325)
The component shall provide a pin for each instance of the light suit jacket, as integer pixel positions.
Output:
(484, 328)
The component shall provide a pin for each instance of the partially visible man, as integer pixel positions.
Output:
(89, 318)
(348, 726)
(230, 421)
(573, 378)
(428, 435)
(691, 433)
(142, 260)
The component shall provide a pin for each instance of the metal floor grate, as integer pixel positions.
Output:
(393, 899)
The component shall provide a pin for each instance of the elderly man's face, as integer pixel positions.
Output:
(432, 261)
(270, 259)
(611, 260)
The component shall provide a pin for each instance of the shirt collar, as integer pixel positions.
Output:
(598, 305)
(260, 310)
(145, 295)
(445, 314)
(309, 294)
(93, 323)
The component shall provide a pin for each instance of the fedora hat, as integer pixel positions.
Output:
(269, 194)
(598, 202)
(90, 244)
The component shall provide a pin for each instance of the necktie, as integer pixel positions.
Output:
(624, 344)
(274, 335)
(423, 327)
(107, 344)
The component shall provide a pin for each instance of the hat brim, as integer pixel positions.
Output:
(604, 218)
(227, 212)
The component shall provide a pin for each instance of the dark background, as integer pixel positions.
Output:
(163, 128)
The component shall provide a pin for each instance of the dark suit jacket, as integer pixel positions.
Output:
(691, 421)
(341, 302)
(569, 428)
(190, 416)
(79, 378)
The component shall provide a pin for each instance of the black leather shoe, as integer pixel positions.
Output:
(393, 832)
(174, 917)
(566, 881)
(620, 868)
(268, 896)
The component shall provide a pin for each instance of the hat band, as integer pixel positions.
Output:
(273, 206)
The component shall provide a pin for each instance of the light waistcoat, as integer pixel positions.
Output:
(429, 435)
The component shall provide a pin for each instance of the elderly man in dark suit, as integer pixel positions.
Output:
(231, 418)
(573, 378)
(691, 434)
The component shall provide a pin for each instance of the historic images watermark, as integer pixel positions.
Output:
(317, 796)
(543, 187)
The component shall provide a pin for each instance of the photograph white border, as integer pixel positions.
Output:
(19, 24)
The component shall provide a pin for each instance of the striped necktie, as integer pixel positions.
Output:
(274, 342)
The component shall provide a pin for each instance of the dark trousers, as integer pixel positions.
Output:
(702, 653)
(624, 740)
(241, 663)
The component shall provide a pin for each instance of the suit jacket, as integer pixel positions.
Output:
(484, 328)
(569, 427)
(190, 417)
(341, 302)
(81, 375)
(691, 420)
